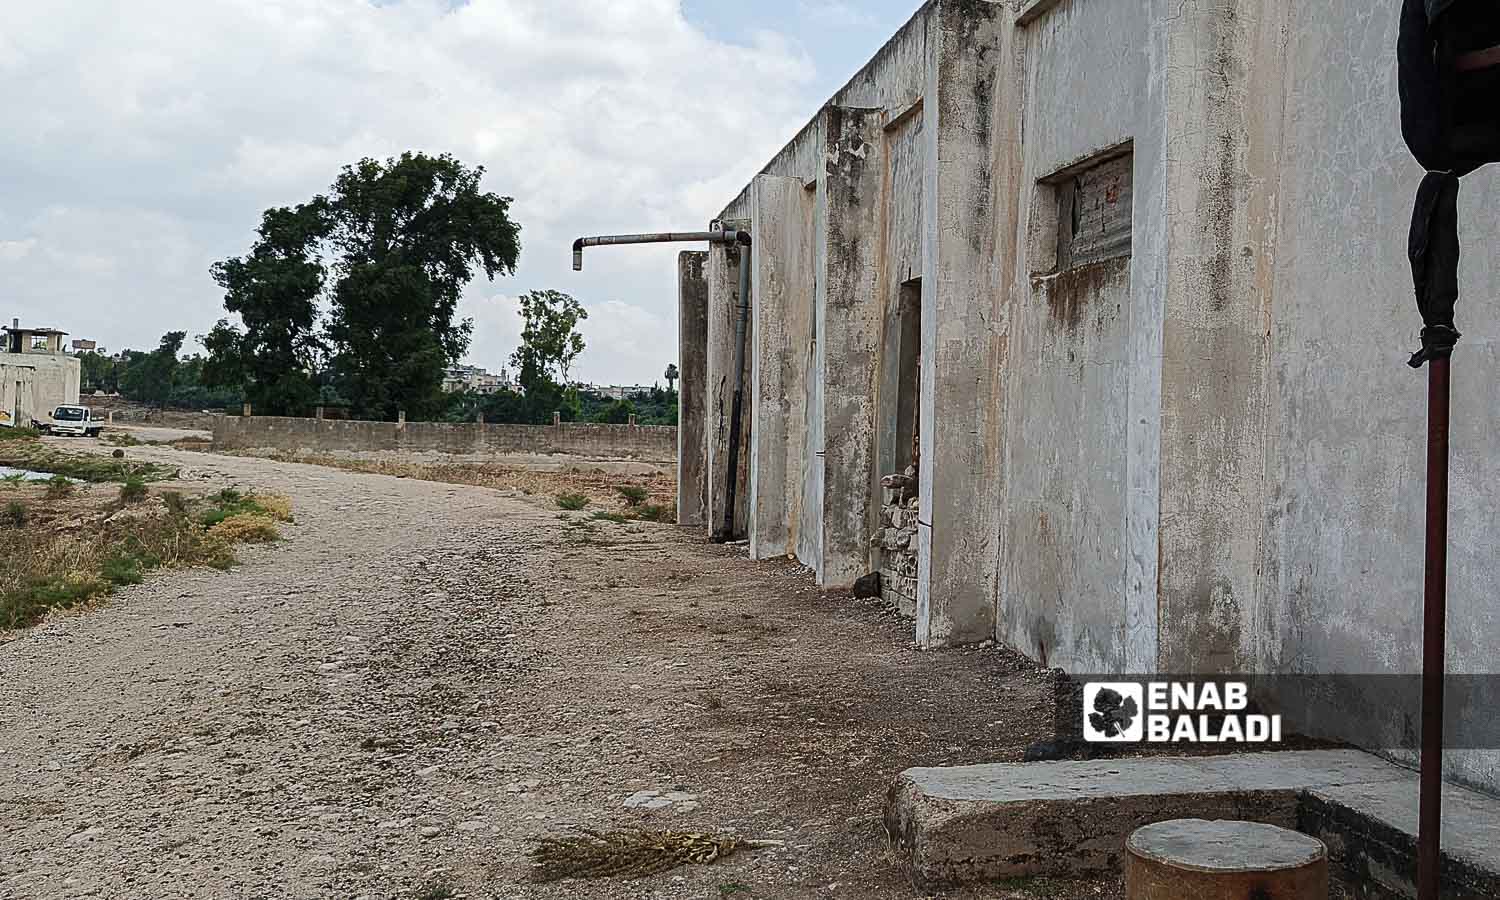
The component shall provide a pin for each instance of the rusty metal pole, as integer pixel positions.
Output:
(1434, 635)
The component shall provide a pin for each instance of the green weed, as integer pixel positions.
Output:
(654, 512)
(634, 494)
(133, 490)
(121, 569)
(58, 487)
(14, 515)
(572, 502)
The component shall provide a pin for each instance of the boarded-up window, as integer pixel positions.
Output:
(1093, 213)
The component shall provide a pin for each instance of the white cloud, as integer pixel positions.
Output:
(144, 139)
(836, 13)
(15, 250)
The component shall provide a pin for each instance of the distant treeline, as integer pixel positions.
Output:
(165, 378)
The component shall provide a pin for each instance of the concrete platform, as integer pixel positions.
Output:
(1371, 832)
(1065, 819)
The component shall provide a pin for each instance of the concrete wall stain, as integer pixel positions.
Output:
(1070, 293)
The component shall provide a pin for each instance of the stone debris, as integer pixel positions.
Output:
(652, 801)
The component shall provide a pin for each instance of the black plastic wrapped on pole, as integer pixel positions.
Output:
(1449, 57)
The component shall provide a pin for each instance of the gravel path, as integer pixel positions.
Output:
(398, 699)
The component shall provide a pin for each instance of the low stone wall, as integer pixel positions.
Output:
(271, 433)
(897, 540)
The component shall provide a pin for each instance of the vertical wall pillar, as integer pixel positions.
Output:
(958, 531)
(692, 396)
(849, 323)
(1216, 336)
(723, 273)
(782, 287)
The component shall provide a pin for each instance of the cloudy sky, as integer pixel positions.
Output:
(143, 138)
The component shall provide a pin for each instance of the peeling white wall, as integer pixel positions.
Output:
(1345, 503)
(1207, 457)
(1079, 495)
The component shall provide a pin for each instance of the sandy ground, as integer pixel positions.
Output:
(398, 699)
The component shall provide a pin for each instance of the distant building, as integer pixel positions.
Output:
(474, 380)
(620, 391)
(36, 374)
(83, 346)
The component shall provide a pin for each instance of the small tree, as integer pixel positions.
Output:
(550, 342)
(549, 338)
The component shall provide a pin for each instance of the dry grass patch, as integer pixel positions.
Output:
(75, 550)
(246, 528)
(275, 506)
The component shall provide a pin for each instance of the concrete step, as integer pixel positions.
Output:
(1067, 819)
(1371, 831)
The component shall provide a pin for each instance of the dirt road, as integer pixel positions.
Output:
(398, 699)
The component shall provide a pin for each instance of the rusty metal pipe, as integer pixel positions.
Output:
(1434, 635)
(719, 236)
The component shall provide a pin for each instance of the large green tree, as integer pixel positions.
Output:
(274, 289)
(381, 263)
(407, 235)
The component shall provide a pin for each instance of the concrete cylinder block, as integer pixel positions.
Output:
(1194, 859)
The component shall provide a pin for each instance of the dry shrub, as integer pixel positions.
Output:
(274, 505)
(246, 528)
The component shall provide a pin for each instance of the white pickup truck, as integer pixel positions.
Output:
(72, 420)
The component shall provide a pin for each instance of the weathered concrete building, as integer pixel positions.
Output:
(36, 374)
(1125, 285)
